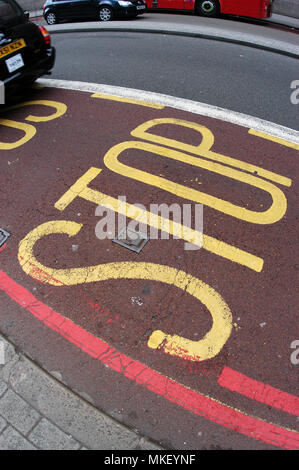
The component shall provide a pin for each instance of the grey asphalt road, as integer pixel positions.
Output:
(238, 78)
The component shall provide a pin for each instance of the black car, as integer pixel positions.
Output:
(102, 10)
(25, 48)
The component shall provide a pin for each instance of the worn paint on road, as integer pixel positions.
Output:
(199, 312)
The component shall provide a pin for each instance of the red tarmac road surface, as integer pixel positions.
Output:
(94, 326)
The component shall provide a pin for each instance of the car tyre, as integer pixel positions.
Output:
(106, 14)
(51, 18)
(208, 8)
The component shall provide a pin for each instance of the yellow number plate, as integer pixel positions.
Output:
(14, 46)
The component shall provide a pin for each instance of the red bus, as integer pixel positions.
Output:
(212, 8)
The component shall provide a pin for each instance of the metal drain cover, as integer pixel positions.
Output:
(3, 236)
(131, 239)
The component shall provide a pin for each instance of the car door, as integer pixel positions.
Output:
(62, 8)
(83, 8)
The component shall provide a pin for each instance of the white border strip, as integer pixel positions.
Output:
(190, 106)
(2, 92)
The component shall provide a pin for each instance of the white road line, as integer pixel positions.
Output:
(190, 106)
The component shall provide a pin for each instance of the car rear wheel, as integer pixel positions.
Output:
(105, 14)
(208, 8)
(51, 18)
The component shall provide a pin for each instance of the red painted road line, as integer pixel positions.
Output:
(139, 373)
(2, 247)
(237, 382)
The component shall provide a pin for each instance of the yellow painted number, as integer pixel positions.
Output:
(28, 129)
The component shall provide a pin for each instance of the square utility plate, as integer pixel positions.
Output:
(131, 239)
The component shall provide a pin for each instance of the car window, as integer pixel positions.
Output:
(9, 10)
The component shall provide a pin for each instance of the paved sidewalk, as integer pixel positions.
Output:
(284, 20)
(226, 30)
(38, 412)
(276, 19)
